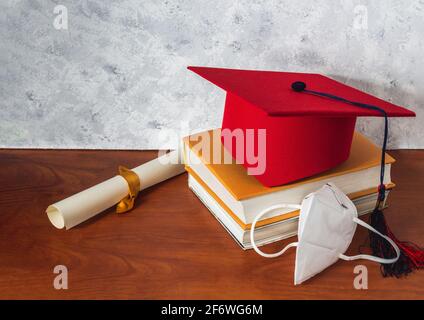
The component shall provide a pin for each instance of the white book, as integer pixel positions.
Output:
(246, 209)
(268, 233)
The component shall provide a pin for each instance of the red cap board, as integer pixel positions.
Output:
(305, 134)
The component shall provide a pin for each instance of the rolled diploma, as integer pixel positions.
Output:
(86, 204)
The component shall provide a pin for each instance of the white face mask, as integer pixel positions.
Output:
(327, 223)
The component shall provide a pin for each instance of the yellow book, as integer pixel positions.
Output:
(243, 197)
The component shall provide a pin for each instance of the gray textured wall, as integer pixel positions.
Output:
(116, 77)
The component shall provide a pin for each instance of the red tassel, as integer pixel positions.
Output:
(413, 251)
(411, 256)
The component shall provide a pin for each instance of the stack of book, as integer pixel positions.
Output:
(235, 198)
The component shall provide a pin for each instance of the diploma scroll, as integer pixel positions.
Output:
(86, 204)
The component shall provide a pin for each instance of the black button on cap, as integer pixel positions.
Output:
(298, 86)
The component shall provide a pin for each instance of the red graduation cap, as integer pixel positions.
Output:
(309, 128)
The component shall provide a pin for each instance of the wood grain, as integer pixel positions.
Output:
(169, 246)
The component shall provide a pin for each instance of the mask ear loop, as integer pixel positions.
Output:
(369, 257)
(260, 215)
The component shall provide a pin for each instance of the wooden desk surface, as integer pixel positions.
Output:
(169, 246)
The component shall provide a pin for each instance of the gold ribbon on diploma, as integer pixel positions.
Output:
(133, 181)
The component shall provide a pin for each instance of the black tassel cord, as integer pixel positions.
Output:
(411, 256)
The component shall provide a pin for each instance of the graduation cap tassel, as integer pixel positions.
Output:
(411, 256)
